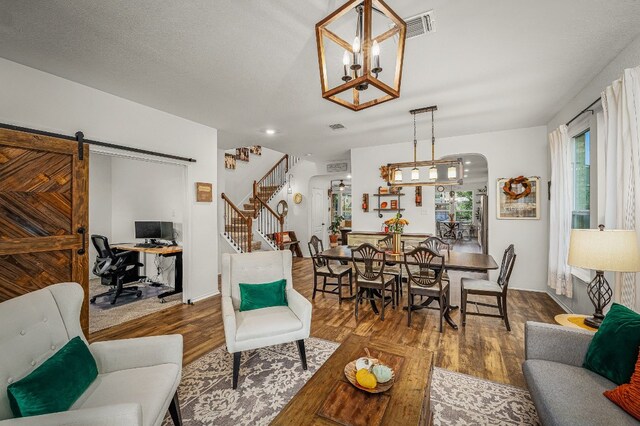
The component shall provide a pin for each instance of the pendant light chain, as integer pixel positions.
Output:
(433, 138)
(415, 140)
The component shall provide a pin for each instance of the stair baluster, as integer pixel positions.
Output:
(237, 226)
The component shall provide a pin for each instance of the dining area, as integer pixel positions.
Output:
(411, 272)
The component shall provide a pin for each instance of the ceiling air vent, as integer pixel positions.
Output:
(421, 24)
(337, 126)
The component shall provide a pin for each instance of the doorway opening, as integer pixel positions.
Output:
(461, 211)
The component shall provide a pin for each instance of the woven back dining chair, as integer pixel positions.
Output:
(371, 280)
(322, 268)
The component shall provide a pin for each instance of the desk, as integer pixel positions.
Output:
(168, 251)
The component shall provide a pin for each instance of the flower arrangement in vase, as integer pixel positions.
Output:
(396, 225)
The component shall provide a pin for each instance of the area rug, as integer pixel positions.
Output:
(459, 399)
(269, 378)
(103, 314)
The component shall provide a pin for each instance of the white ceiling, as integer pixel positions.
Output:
(242, 66)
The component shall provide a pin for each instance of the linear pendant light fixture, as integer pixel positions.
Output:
(361, 58)
(454, 168)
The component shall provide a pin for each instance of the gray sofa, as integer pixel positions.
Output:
(563, 392)
(137, 378)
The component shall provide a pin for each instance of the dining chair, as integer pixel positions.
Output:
(322, 267)
(497, 289)
(427, 280)
(370, 263)
(393, 268)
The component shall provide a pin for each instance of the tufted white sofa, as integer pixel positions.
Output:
(267, 326)
(137, 378)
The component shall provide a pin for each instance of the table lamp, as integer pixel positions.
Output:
(600, 250)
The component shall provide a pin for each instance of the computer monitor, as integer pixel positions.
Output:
(154, 229)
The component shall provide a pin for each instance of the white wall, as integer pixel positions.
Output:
(100, 206)
(509, 153)
(31, 98)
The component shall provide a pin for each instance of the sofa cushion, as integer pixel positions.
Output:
(266, 322)
(568, 395)
(149, 386)
(56, 384)
(257, 296)
(614, 349)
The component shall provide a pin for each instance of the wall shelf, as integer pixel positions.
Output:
(397, 196)
(389, 195)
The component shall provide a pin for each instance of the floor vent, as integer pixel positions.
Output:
(421, 24)
(337, 126)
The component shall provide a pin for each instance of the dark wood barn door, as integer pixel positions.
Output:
(43, 214)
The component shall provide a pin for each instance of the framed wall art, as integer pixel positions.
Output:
(229, 161)
(204, 192)
(256, 149)
(242, 154)
(518, 198)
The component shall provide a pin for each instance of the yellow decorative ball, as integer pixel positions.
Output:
(366, 379)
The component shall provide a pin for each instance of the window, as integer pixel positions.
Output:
(461, 206)
(581, 212)
(464, 206)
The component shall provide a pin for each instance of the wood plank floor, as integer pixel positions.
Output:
(483, 348)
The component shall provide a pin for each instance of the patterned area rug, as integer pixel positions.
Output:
(459, 399)
(103, 314)
(269, 378)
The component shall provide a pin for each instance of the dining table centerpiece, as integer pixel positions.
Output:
(396, 225)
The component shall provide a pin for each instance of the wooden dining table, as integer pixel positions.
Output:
(453, 260)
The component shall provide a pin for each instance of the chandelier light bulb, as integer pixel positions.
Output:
(376, 48)
(356, 45)
(397, 176)
(433, 173)
(345, 59)
(452, 172)
(415, 174)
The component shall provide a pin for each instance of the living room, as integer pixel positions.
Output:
(417, 185)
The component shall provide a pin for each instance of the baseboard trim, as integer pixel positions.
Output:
(205, 296)
(559, 302)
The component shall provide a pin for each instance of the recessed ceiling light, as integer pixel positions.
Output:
(467, 162)
(466, 176)
(466, 170)
(348, 176)
(270, 131)
(308, 154)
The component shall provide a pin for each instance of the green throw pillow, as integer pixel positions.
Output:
(56, 384)
(613, 352)
(256, 296)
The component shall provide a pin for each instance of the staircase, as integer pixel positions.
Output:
(256, 214)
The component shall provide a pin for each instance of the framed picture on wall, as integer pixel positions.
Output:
(255, 149)
(229, 161)
(518, 198)
(242, 154)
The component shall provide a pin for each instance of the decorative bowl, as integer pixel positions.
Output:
(350, 374)
(383, 205)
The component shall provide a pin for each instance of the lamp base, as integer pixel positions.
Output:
(593, 322)
(600, 294)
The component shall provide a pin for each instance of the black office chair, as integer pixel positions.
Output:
(111, 268)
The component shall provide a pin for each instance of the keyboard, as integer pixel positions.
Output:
(149, 245)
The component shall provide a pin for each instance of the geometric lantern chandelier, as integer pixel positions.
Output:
(427, 172)
(351, 74)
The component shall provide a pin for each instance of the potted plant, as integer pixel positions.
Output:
(334, 228)
(396, 225)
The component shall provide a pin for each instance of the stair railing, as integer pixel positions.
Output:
(268, 221)
(233, 220)
(274, 179)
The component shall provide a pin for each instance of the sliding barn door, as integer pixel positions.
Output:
(43, 214)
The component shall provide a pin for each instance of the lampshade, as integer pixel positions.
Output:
(415, 174)
(433, 173)
(452, 172)
(608, 250)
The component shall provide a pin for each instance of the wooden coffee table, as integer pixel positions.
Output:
(325, 394)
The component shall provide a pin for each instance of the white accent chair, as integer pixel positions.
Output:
(259, 328)
(137, 378)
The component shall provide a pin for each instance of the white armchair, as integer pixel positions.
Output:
(267, 326)
(137, 378)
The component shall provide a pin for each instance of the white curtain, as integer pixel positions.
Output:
(561, 205)
(621, 126)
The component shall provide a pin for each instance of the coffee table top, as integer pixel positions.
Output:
(408, 399)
